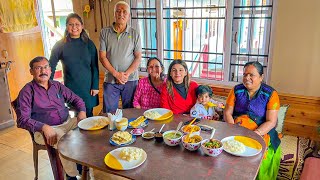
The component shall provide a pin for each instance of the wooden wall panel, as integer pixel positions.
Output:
(301, 130)
(21, 47)
(303, 116)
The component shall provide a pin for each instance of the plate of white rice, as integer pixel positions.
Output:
(158, 114)
(241, 146)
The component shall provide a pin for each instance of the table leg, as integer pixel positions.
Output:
(85, 173)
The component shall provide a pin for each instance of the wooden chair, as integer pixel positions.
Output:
(53, 154)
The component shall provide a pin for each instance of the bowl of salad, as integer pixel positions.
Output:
(212, 147)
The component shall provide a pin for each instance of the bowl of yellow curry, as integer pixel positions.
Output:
(191, 143)
(188, 128)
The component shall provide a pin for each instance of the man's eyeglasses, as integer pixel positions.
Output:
(76, 25)
(38, 68)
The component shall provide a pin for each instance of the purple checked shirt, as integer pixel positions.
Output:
(38, 106)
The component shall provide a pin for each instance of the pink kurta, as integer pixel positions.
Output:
(146, 96)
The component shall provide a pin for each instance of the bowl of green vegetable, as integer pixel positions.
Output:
(212, 147)
(172, 137)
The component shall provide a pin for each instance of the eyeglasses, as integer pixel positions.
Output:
(76, 25)
(38, 68)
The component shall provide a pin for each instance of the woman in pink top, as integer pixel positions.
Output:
(148, 91)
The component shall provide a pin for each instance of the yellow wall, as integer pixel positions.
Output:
(21, 47)
(296, 53)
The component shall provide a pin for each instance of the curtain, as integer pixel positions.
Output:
(17, 15)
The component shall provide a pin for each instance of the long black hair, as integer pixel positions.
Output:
(186, 79)
(83, 35)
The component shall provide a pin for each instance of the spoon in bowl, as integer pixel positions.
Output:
(178, 127)
(161, 128)
(190, 134)
(212, 133)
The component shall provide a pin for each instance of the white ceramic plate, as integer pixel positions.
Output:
(252, 146)
(113, 160)
(92, 123)
(165, 114)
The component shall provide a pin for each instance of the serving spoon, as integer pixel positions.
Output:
(161, 128)
(178, 127)
(212, 133)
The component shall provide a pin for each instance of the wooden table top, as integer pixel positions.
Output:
(164, 162)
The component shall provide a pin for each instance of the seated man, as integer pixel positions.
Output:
(41, 108)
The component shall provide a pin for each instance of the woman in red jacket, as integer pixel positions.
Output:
(180, 93)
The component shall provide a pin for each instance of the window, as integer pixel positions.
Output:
(214, 40)
(51, 34)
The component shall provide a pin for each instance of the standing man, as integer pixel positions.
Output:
(41, 107)
(120, 54)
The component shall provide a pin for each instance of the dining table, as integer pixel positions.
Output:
(89, 149)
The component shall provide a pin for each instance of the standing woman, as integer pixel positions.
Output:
(148, 91)
(79, 59)
(255, 105)
(180, 93)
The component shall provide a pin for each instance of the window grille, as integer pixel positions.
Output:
(214, 41)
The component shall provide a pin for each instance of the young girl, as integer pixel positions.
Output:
(180, 93)
(205, 108)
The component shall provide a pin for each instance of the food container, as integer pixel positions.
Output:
(137, 131)
(170, 140)
(193, 144)
(186, 129)
(121, 124)
(158, 136)
(148, 135)
(212, 151)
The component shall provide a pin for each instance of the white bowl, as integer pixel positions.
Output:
(144, 135)
(211, 151)
(172, 142)
(191, 146)
(194, 132)
(121, 124)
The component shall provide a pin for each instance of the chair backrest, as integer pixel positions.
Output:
(14, 105)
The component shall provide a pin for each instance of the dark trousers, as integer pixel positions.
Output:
(112, 93)
(89, 112)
